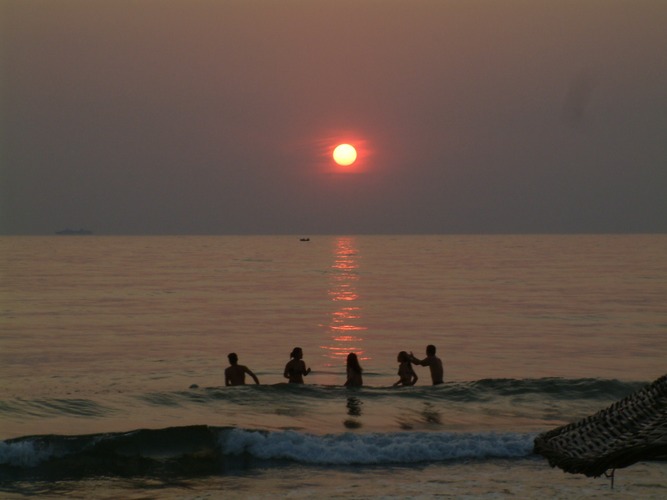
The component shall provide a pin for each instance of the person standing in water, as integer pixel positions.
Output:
(296, 369)
(235, 373)
(405, 372)
(353, 371)
(433, 362)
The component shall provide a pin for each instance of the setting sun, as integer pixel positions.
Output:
(345, 154)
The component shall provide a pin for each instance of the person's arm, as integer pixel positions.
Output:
(228, 379)
(254, 377)
(304, 370)
(286, 373)
(413, 360)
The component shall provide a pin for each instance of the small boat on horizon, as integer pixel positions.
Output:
(74, 232)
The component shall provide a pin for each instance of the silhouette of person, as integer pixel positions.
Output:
(296, 369)
(405, 372)
(433, 362)
(235, 373)
(353, 371)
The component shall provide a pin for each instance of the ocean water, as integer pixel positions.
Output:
(112, 353)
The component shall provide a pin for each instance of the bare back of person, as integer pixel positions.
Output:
(354, 378)
(235, 373)
(354, 370)
(435, 365)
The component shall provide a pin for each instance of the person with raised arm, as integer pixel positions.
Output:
(433, 362)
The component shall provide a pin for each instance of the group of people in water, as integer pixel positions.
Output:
(296, 370)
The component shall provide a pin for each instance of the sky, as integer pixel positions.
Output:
(220, 116)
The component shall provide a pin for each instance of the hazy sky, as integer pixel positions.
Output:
(219, 116)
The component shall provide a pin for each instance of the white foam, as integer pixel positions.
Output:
(22, 454)
(345, 449)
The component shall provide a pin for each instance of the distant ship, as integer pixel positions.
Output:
(74, 232)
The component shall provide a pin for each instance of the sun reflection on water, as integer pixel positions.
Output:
(345, 328)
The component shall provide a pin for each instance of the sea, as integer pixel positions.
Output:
(113, 350)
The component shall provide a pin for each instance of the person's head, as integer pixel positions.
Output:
(296, 353)
(233, 358)
(402, 357)
(430, 350)
(353, 361)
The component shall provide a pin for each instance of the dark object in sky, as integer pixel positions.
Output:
(74, 232)
(631, 430)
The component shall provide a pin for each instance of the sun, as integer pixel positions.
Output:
(345, 154)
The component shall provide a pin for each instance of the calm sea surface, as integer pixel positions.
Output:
(112, 352)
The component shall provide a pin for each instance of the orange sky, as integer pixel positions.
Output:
(219, 116)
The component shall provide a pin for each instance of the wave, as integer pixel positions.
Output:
(203, 449)
(46, 407)
(475, 391)
(377, 448)
(557, 388)
(493, 391)
(586, 387)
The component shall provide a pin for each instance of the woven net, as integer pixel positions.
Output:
(631, 430)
